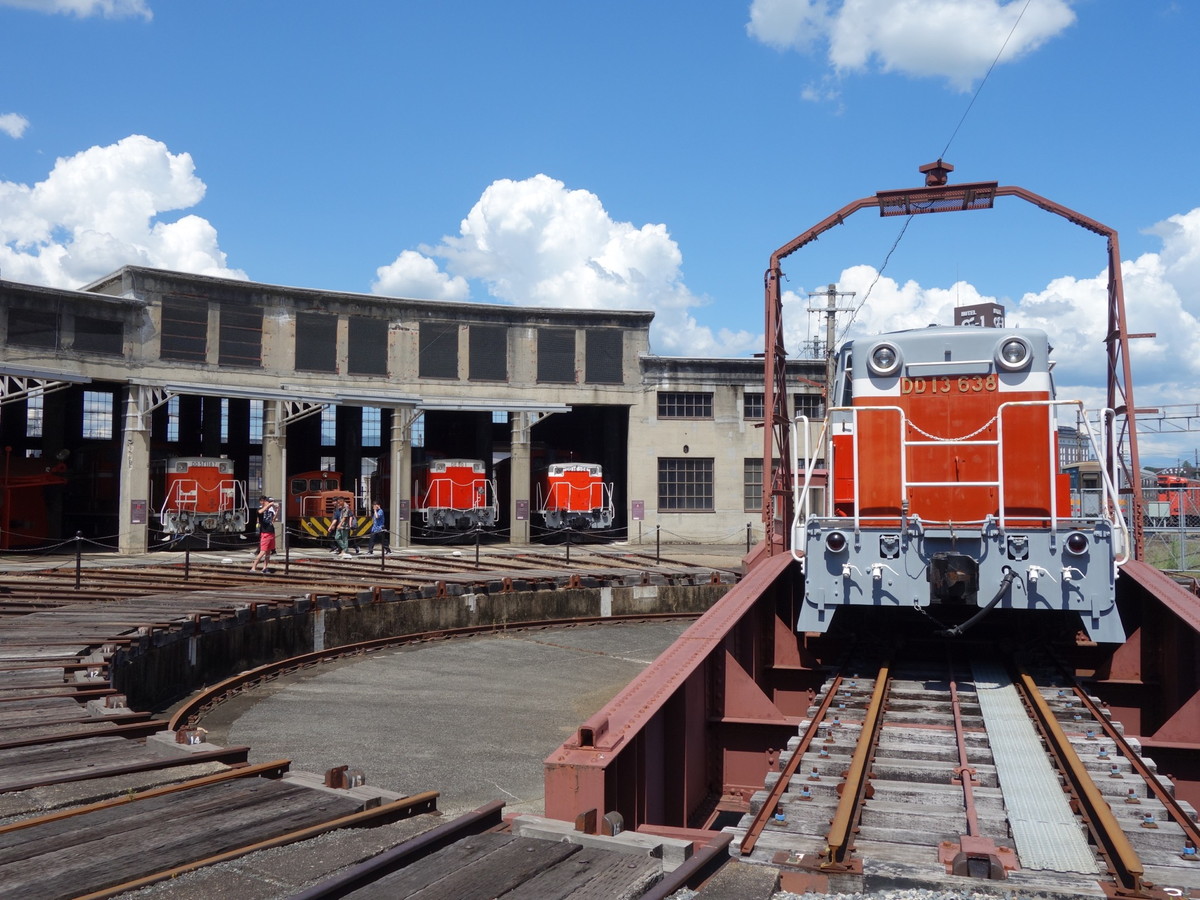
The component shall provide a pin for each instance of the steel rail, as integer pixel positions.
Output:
(190, 712)
(273, 769)
(405, 807)
(365, 873)
(120, 729)
(1170, 802)
(965, 771)
(839, 843)
(1123, 863)
(707, 858)
(230, 756)
(771, 803)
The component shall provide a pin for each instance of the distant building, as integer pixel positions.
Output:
(145, 365)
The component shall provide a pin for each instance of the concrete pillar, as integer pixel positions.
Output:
(519, 474)
(133, 505)
(399, 501)
(274, 462)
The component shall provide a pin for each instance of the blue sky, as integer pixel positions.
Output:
(641, 155)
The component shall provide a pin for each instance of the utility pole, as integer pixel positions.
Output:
(830, 310)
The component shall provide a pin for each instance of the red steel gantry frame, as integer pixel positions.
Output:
(936, 196)
(692, 737)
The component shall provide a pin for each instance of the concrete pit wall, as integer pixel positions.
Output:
(162, 667)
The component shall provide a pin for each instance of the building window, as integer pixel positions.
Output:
(256, 421)
(367, 349)
(556, 355)
(33, 328)
(810, 405)
(98, 415)
(487, 353)
(604, 361)
(685, 405)
(416, 431)
(752, 484)
(316, 342)
(371, 430)
(439, 350)
(35, 407)
(183, 331)
(173, 419)
(328, 426)
(104, 337)
(753, 406)
(240, 341)
(685, 485)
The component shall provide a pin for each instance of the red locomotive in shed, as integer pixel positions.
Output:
(456, 495)
(574, 495)
(202, 496)
(946, 486)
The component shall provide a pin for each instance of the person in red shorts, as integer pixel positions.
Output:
(267, 511)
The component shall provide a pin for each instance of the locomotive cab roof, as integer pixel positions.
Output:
(948, 350)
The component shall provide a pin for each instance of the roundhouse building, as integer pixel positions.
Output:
(99, 387)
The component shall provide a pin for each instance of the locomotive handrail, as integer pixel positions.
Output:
(801, 491)
(1111, 511)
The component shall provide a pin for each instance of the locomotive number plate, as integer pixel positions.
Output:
(946, 384)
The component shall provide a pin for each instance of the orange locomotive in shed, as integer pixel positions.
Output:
(456, 495)
(945, 484)
(202, 496)
(575, 495)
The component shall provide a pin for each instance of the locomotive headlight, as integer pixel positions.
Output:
(1077, 543)
(835, 542)
(884, 359)
(1014, 353)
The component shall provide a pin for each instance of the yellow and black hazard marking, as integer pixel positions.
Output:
(318, 526)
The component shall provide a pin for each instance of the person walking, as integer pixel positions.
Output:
(378, 531)
(340, 528)
(267, 512)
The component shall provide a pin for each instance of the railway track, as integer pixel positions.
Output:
(44, 585)
(97, 798)
(965, 770)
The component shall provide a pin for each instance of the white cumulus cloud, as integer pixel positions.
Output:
(537, 243)
(414, 275)
(952, 39)
(97, 211)
(13, 125)
(109, 9)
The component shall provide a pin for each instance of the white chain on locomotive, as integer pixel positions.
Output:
(944, 484)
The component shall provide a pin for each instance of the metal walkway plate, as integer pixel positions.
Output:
(1047, 834)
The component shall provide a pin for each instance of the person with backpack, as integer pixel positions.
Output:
(267, 513)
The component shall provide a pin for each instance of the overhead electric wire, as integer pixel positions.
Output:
(941, 156)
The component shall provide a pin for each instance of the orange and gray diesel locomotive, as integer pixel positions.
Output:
(944, 487)
(575, 495)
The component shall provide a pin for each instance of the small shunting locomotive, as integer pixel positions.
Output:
(944, 489)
